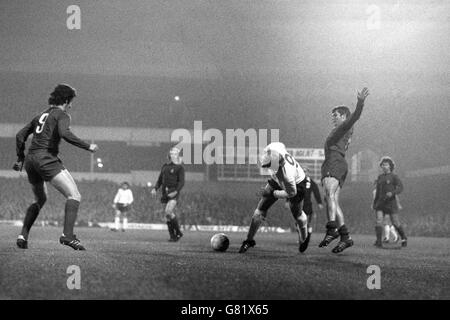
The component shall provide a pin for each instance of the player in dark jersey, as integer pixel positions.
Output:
(311, 187)
(334, 171)
(385, 203)
(43, 165)
(171, 181)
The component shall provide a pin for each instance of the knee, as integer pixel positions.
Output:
(75, 196)
(302, 219)
(259, 215)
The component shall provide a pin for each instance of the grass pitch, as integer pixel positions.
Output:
(141, 264)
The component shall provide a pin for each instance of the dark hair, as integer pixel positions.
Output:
(62, 94)
(128, 185)
(342, 110)
(388, 160)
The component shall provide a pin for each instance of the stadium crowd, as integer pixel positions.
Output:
(201, 208)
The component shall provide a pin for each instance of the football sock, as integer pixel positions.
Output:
(343, 232)
(170, 228)
(331, 227)
(71, 211)
(117, 222)
(379, 233)
(401, 232)
(125, 223)
(176, 226)
(30, 217)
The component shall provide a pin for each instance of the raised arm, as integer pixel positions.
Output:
(348, 123)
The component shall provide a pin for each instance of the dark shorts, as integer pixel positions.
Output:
(42, 167)
(337, 169)
(165, 198)
(122, 208)
(389, 207)
(295, 203)
(307, 209)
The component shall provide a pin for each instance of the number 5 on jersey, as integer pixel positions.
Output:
(42, 120)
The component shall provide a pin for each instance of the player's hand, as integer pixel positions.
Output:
(320, 206)
(153, 192)
(389, 194)
(18, 166)
(114, 206)
(172, 194)
(93, 147)
(363, 94)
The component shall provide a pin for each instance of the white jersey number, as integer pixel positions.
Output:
(42, 120)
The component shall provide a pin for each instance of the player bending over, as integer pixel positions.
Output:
(287, 182)
(171, 181)
(385, 203)
(334, 171)
(43, 165)
(122, 204)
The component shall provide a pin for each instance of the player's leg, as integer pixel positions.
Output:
(117, 220)
(393, 234)
(386, 227)
(40, 195)
(379, 228)
(259, 215)
(396, 222)
(64, 183)
(330, 185)
(124, 220)
(346, 241)
(172, 221)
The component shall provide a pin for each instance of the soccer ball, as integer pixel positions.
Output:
(220, 242)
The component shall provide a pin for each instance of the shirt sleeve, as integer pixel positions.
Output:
(116, 198)
(159, 181)
(66, 134)
(181, 177)
(347, 124)
(21, 138)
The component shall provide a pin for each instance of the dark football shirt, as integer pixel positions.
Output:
(171, 177)
(387, 182)
(339, 139)
(47, 128)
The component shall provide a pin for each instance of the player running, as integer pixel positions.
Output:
(287, 182)
(385, 203)
(43, 165)
(334, 171)
(171, 181)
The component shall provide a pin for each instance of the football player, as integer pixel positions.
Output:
(171, 181)
(43, 165)
(287, 182)
(334, 171)
(389, 186)
(310, 188)
(122, 204)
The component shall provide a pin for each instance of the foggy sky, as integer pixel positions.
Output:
(299, 57)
